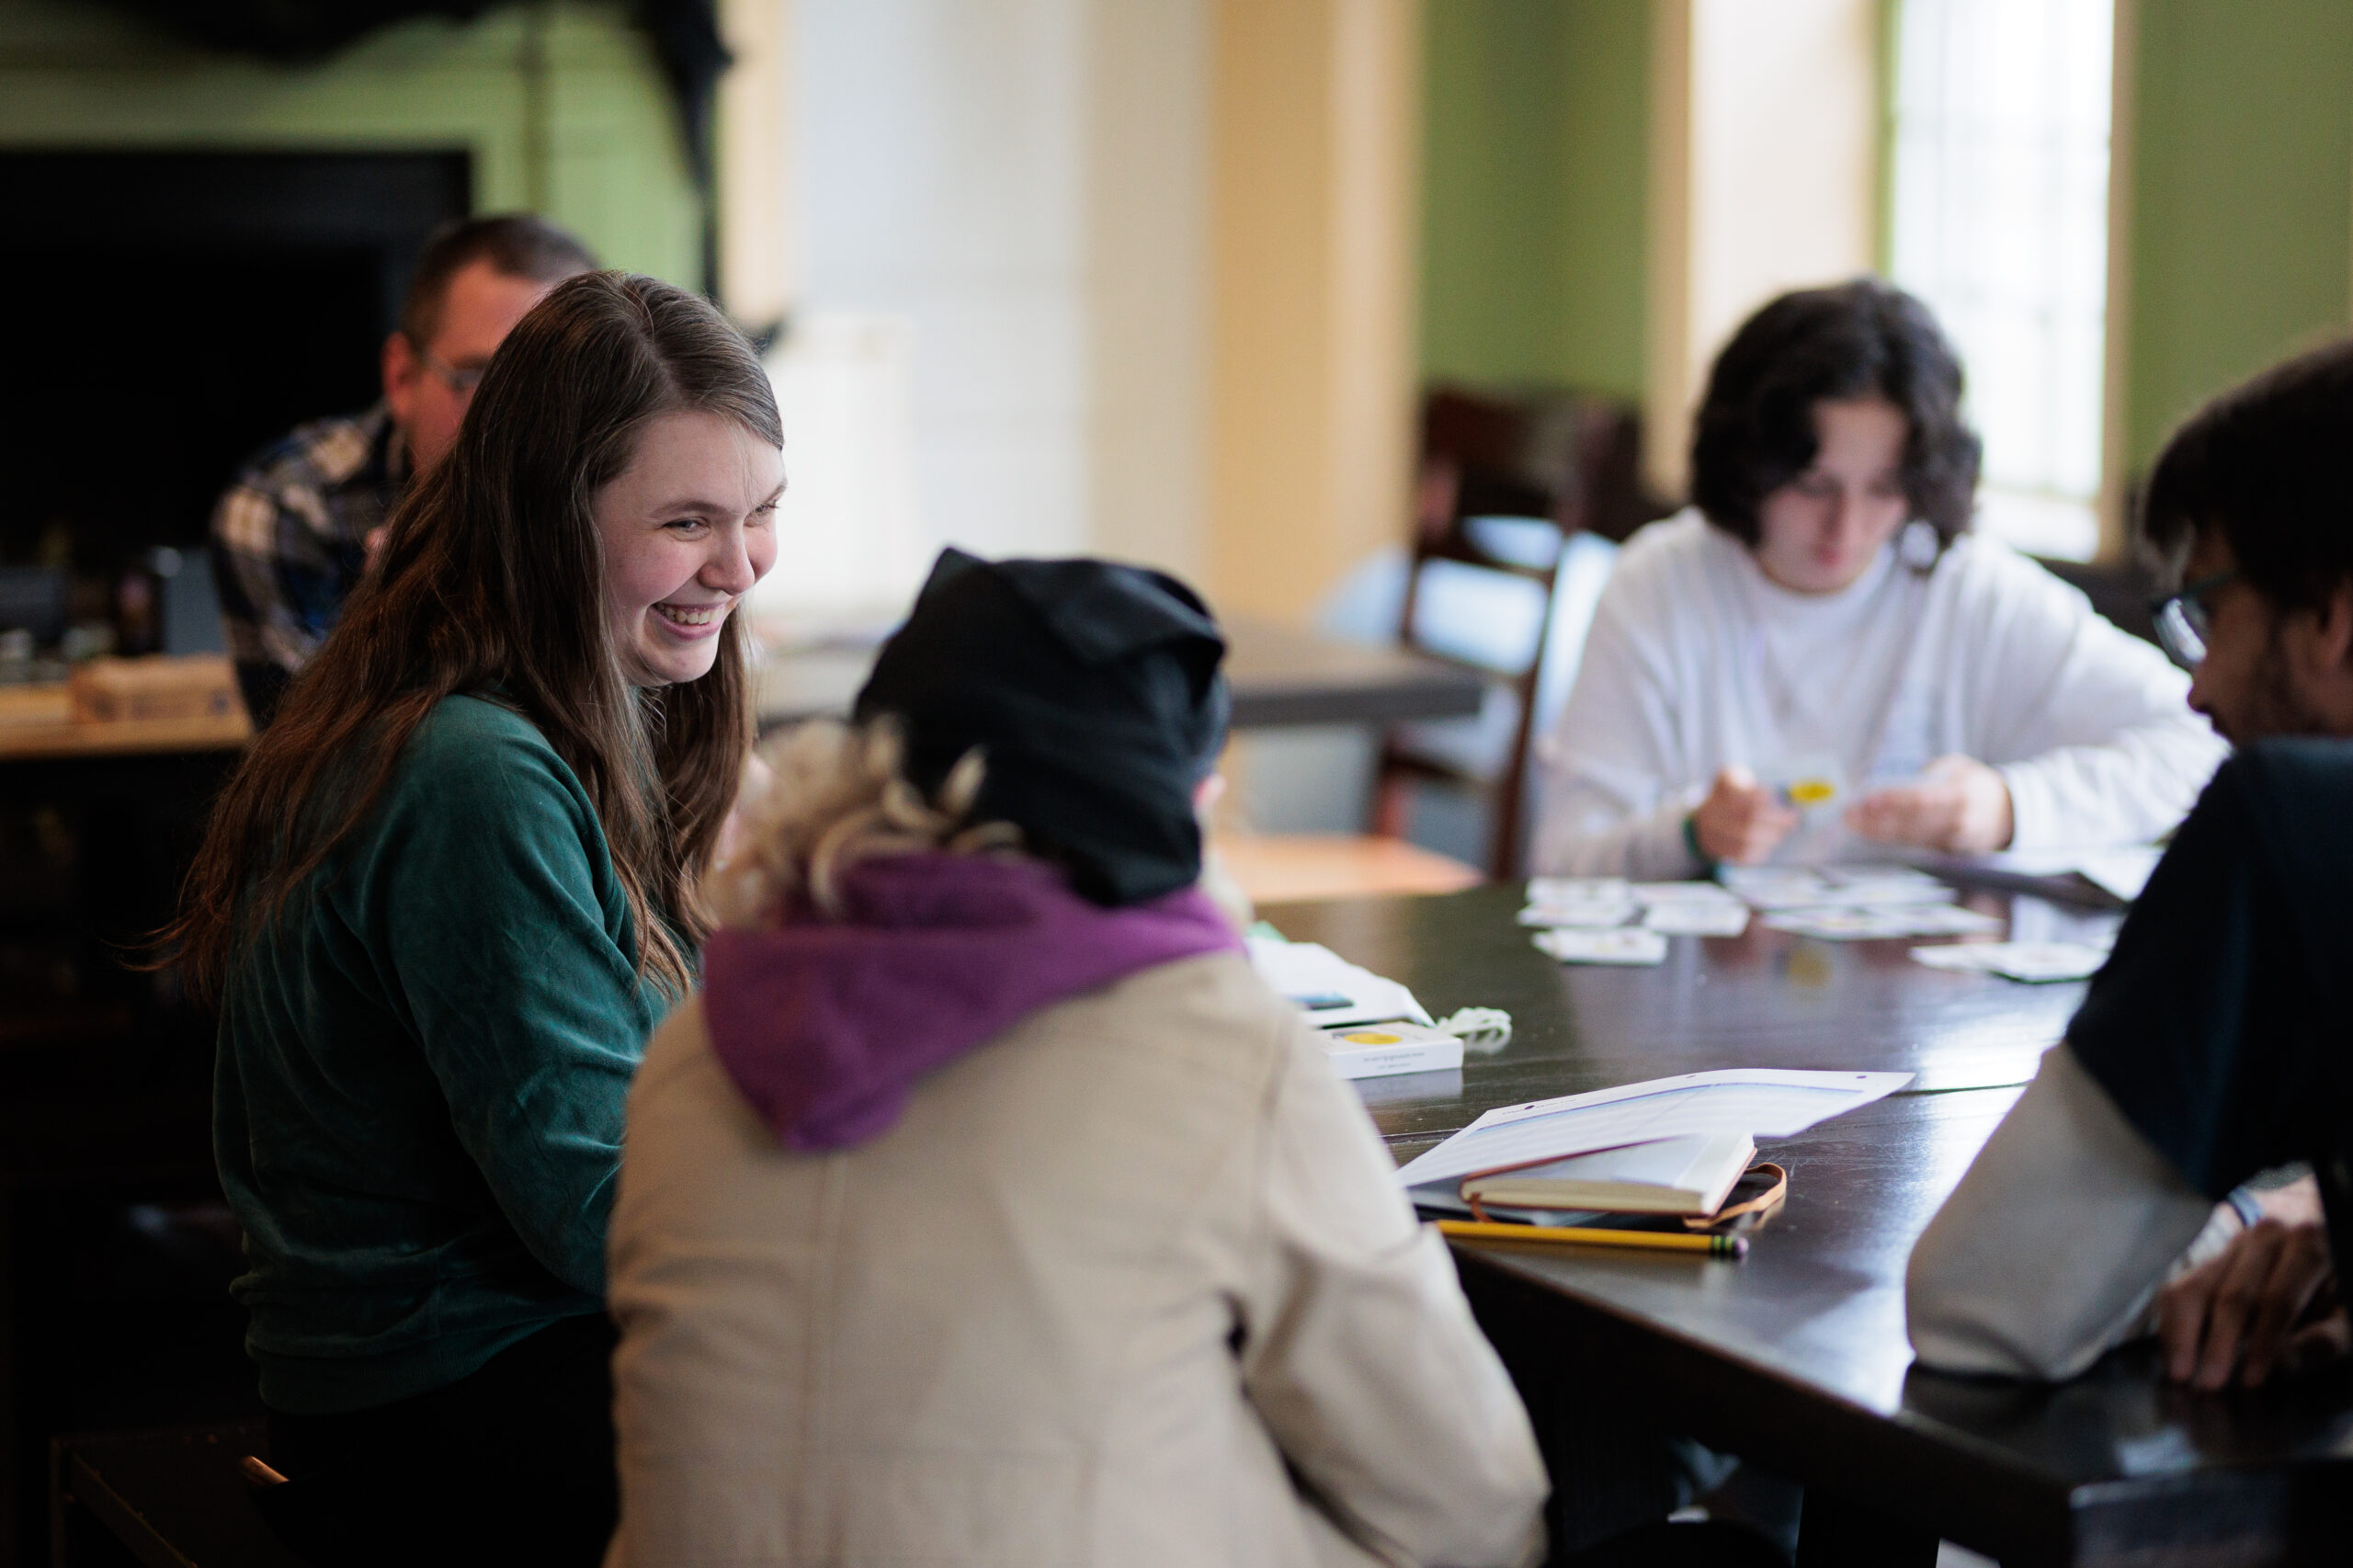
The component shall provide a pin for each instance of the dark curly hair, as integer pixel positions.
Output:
(2265, 466)
(1755, 431)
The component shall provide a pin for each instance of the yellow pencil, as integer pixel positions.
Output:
(1669, 1240)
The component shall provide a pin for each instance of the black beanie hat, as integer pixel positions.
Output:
(1093, 692)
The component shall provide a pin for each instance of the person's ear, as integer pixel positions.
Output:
(2334, 630)
(2318, 644)
(400, 367)
(1207, 793)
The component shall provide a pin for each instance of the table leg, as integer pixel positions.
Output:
(1835, 1533)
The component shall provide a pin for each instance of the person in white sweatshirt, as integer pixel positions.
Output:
(1817, 661)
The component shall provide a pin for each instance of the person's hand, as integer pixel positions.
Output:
(2268, 1303)
(1740, 821)
(1957, 806)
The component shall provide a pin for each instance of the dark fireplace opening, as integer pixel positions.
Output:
(175, 312)
(167, 314)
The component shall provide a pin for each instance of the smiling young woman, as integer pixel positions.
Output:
(444, 902)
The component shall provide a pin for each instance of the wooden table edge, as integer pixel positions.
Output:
(38, 743)
(1734, 1404)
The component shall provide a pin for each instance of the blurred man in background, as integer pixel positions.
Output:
(290, 535)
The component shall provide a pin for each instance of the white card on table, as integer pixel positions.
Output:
(1839, 924)
(1622, 945)
(1585, 914)
(1698, 919)
(1652, 893)
(1578, 890)
(1879, 892)
(1944, 920)
(2034, 963)
(1847, 924)
(1775, 887)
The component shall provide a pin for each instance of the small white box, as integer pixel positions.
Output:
(1379, 1051)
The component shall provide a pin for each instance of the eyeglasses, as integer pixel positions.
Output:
(2182, 619)
(461, 382)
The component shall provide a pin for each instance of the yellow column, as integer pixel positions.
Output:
(1315, 128)
(757, 257)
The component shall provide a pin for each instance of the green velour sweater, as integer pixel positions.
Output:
(422, 1069)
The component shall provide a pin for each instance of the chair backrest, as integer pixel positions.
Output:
(1566, 459)
(2118, 590)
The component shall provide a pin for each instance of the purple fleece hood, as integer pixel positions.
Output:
(827, 1025)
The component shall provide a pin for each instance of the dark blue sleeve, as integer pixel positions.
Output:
(2219, 1026)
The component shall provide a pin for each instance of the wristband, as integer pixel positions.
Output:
(1691, 840)
(2249, 1210)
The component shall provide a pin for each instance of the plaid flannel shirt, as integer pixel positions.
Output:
(290, 540)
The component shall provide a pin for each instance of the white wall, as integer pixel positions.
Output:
(942, 180)
(1023, 181)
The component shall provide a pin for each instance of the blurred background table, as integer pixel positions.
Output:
(1796, 1358)
(1281, 678)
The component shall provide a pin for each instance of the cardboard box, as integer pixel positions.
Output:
(197, 686)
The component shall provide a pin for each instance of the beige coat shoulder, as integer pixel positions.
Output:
(1111, 1282)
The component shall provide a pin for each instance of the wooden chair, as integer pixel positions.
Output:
(1566, 461)
(1287, 867)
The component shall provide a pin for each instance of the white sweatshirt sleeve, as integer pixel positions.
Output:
(2089, 726)
(2048, 1251)
(1609, 801)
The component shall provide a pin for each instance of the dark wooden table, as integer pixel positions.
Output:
(1281, 678)
(1796, 1357)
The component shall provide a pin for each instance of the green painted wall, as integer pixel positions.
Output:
(1534, 191)
(2243, 198)
(595, 147)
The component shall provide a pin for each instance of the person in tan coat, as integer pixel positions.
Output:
(986, 1208)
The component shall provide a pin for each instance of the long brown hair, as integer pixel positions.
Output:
(492, 583)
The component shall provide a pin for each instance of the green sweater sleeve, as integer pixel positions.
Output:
(501, 932)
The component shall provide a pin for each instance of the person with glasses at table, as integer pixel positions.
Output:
(1822, 630)
(2212, 1046)
(293, 531)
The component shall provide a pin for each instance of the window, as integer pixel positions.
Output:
(2000, 224)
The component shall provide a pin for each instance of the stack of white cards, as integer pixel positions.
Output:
(1372, 1026)
(1578, 902)
(1595, 905)
(1847, 924)
(1606, 920)
(1854, 904)
(1329, 988)
(1833, 887)
(1615, 944)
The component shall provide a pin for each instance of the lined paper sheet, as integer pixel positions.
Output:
(1763, 1102)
